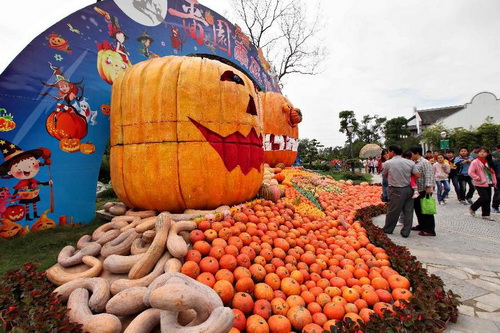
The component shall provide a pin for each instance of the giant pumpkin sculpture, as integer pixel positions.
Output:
(186, 132)
(281, 133)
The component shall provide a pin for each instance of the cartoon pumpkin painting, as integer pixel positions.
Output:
(196, 141)
(280, 127)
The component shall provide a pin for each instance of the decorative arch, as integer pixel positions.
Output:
(55, 96)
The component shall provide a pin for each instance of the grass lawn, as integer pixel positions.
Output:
(356, 177)
(43, 247)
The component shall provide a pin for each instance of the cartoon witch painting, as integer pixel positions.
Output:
(69, 92)
(146, 42)
(24, 166)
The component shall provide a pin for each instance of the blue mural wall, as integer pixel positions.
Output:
(55, 96)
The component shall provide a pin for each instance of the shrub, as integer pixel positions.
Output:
(28, 305)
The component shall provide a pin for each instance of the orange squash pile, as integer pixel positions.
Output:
(282, 268)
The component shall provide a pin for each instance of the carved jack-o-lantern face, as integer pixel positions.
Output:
(70, 145)
(105, 109)
(64, 122)
(9, 229)
(43, 223)
(87, 148)
(14, 212)
(281, 134)
(197, 143)
(110, 64)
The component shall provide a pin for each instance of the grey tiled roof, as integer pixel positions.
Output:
(431, 116)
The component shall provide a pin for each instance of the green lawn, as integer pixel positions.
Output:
(43, 247)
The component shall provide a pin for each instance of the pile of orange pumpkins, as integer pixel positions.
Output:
(282, 269)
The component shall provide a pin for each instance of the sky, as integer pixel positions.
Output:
(386, 57)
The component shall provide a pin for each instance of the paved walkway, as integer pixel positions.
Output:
(466, 255)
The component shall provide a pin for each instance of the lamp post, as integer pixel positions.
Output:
(444, 144)
(350, 129)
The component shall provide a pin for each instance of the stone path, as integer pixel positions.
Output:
(466, 255)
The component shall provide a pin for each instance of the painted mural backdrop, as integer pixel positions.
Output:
(55, 96)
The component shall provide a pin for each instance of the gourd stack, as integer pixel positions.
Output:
(131, 268)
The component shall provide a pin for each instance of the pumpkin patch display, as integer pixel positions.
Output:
(186, 132)
(281, 132)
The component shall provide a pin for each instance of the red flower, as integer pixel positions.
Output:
(11, 308)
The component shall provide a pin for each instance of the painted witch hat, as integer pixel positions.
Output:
(10, 151)
(58, 74)
(145, 36)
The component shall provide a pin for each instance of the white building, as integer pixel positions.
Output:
(469, 115)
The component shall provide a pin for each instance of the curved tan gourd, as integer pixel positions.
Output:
(119, 264)
(98, 286)
(59, 276)
(155, 251)
(121, 244)
(69, 256)
(145, 322)
(123, 284)
(127, 302)
(141, 213)
(176, 244)
(79, 312)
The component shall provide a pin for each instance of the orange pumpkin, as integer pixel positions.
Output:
(14, 212)
(64, 122)
(9, 229)
(69, 145)
(281, 133)
(186, 132)
(43, 223)
(87, 148)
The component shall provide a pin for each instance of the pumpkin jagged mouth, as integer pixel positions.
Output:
(236, 149)
(275, 142)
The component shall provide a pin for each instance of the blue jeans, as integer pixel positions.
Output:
(443, 188)
(385, 188)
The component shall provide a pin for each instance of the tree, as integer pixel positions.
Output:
(461, 137)
(309, 150)
(281, 28)
(396, 131)
(346, 117)
(488, 134)
(371, 129)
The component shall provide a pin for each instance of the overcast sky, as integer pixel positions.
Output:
(386, 57)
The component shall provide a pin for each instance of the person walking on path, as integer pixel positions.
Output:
(397, 171)
(453, 176)
(384, 156)
(496, 196)
(441, 172)
(484, 178)
(463, 162)
(426, 223)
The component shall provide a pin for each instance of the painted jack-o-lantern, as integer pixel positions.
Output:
(281, 134)
(64, 123)
(43, 223)
(105, 109)
(87, 148)
(70, 145)
(14, 212)
(109, 64)
(9, 229)
(185, 133)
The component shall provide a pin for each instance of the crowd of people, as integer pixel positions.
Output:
(409, 176)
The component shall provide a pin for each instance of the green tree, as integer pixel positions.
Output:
(397, 132)
(461, 137)
(309, 150)
(371, 129)
(346, 117)
(432, 135)
(488, 134)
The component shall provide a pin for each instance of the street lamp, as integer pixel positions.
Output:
(444, 144)
(350, 129)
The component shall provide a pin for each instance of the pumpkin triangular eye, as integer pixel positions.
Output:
(230, 76)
